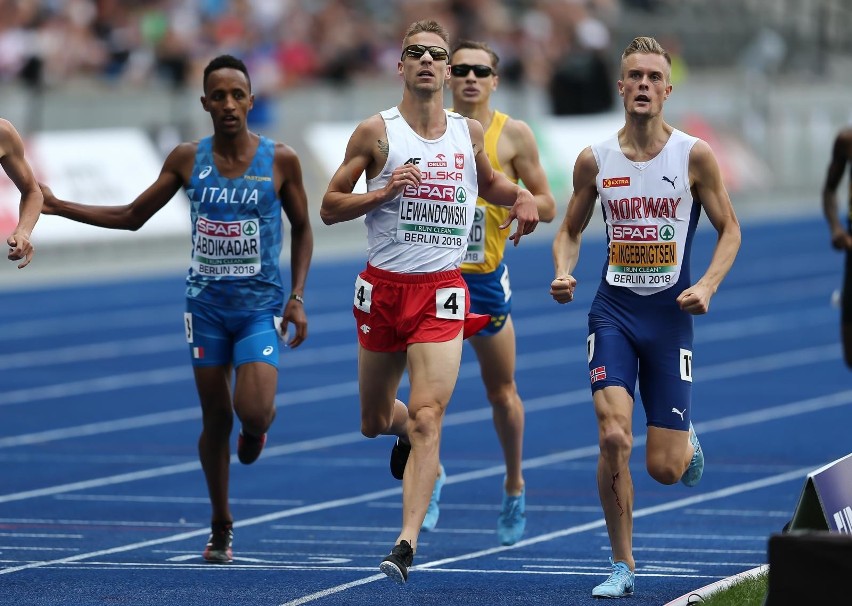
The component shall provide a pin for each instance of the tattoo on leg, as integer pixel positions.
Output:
(615, 492)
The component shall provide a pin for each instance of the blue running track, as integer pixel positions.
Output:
(103, 501)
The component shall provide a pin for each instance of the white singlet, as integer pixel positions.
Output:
(425, 228)
(647, 208)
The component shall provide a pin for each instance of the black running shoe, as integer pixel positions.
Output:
(218, 548)
(396, 564)
(249, 447)
(399, 457)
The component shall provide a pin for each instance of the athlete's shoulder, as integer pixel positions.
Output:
(373, 125)
(284, 151)
(183, 155)
(517, 130)
(844, 136)
(10, 140)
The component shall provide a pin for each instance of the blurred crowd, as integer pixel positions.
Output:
(562, 46)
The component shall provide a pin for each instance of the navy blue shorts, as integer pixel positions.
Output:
(646, 339)
(491, 294)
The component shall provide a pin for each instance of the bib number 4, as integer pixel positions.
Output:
(450, 303)
(363, 295)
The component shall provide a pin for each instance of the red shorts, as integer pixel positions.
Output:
(393, 310)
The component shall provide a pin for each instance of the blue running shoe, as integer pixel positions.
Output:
(513, 518)
(693, 473)
(619, 584)
(432, 513)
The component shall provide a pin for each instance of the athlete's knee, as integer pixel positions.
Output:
(424, 422)
(375, 425)
(504, 397)
(217, 424)
(258, 421)
(614, 440)
(664, 471)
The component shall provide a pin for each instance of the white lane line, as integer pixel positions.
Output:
(696, 537)
(600, 523)
(91, 429)
(350, 388)
(596, 561)
(92, 351)
(832, 400)
(739, 513)
(127, 380)
(158, 499)
(696, 550)
(91, 523)
(42, 535)
(13, 548)
(263, 519)
(532, 326)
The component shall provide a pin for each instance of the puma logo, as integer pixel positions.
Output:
(676, 410)
(667, 180)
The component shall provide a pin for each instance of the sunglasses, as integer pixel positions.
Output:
(463, 69)
(415, 51)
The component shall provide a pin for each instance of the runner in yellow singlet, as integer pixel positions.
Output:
(511, 148)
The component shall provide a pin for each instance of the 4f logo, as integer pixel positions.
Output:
(413, 161)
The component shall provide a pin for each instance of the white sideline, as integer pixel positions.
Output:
(600, 523)
(703, 592)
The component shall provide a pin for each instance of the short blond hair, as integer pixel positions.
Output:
(427, 26)
(646, 46)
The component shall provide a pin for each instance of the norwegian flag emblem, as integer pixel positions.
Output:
(598, 374)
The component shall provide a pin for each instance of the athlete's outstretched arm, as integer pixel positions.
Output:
(841, 155)
(566, 243)
(19, 171)
(706, 179)
(134, 215)
(295, 203)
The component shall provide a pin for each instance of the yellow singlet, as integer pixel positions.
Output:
(487, 242)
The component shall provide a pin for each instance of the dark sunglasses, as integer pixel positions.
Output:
(463, 69)
(415, 51)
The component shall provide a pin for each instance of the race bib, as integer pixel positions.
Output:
(450, 303)
(363, 295)
(476, 240)
(226, 249)
(643, 256)
(432, 214)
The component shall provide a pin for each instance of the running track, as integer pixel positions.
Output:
(103, 501)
